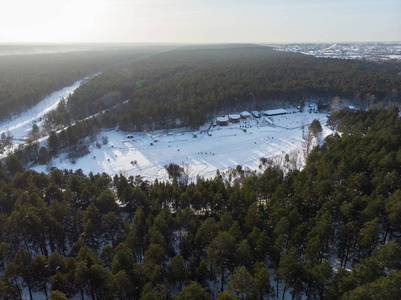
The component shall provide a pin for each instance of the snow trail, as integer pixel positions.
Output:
(20, 125)
(226, 148)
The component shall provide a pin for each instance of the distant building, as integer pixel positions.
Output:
(245, 115)
(256, 114)
(274, 112)
(222, 121)
(234, 118)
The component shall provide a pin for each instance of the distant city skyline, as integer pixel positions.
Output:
(201, 21)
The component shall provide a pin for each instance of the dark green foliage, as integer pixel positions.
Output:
(226, 295)
(14, 165)
(44, 156)
(388, 287)
(241, 282)
(75, 138)
(177, 270)
(57, 295)
(261, 282)
(189, 85)
(222, 254)
(193, 291)
(53, 143)
(345, 204)
(27, 79)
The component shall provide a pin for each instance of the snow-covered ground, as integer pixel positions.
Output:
(20, 125)
(146, 154)
(221, 148)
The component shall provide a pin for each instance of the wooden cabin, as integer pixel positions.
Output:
(222, 121)
(245, 115)
(234, 118)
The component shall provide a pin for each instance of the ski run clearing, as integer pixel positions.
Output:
(201, 153)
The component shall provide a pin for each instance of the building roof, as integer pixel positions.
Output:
(222, 119)
(245, 113)
(234, 116)
(275, 112)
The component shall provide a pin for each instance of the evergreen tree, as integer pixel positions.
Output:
(14, 165)
(221, 253)
(193, 291)
(177, 270)
(53, 143)
(241, 282)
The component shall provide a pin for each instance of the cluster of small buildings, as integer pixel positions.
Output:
(372, 51)
(232, 118)
(235, 118)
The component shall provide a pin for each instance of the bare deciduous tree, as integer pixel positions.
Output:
(186, 173)
(293, 158)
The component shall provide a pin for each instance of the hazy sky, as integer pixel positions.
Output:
(199, 21)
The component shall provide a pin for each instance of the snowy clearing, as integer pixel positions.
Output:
(202, 152)
(146, 154)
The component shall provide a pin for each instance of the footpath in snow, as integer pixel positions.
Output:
(202, 153)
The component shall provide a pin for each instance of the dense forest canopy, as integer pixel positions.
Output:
(189, 85)
(330, 231)
(256, 236)
(25, 79)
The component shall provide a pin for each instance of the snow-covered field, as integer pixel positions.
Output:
(146, 154)
(221, 148)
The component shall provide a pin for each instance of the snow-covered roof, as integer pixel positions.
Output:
(222, 119)
(234, 116)
(275, 112)
(229, 151)
(245, 113)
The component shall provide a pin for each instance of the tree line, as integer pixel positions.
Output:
(330, 231)
(27, 79)
(74, 140)
(188, 86)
